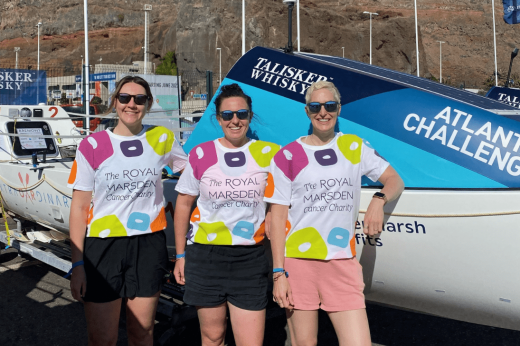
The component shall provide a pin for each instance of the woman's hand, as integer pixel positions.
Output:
(374, 217)
(78, 283)
(282, 293)
(178, 272)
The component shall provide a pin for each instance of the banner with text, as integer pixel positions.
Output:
(511, 11)
(22, 87)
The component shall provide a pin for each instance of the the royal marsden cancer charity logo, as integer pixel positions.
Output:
(284, 76)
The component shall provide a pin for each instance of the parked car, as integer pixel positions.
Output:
(78, 108)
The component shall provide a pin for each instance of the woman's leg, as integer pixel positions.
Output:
(248, 326)
(140, 319)
(212, 324)
(303, 326)
(102, 322)
(351, 327)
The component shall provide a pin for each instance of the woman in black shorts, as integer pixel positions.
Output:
(117, 218)
(224, 265)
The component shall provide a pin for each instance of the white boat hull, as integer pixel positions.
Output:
(461, 267)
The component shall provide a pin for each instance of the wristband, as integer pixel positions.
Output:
(74, 265)
(182, 255)
(281, 270)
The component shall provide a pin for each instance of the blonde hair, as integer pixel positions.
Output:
(323, 85)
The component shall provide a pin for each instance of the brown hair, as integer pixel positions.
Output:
(232, 90)
(130, 79)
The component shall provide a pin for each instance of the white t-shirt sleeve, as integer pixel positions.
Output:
(178, 157)
(282, 187)
(188, 184)
(85, 175)
(372, 164)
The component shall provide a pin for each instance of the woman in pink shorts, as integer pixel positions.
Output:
(314, 188)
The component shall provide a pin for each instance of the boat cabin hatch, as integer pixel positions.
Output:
(25, 145)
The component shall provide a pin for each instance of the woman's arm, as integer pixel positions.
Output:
(393, 187)
(181, 221)
(79, 209)
(281, 289)
(268, 221)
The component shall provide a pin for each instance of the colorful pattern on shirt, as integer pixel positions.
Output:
(125, 174)
(231, 184)
(322, 184)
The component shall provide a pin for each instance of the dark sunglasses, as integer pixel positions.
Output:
(241, 114)
(315, 107)
(138, 99)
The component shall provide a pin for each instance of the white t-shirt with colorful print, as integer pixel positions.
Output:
(125, 174)
(230, 184)
(322, 186)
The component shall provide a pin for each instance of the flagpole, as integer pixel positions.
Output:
(416, 37)
(86, 99)
(495, 42)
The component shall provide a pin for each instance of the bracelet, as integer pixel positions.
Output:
(281, 270)
(182, 255)
(74, 265)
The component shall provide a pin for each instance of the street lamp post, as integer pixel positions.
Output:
(370, 14)
(16, 50)
(86, 80)
(82, 70)
(416, 36)
(219, 66)
(298, 22)
(495, 42)
(38, 25)
(243, 27)
(343, 49)
(440, 60)
(146, 9)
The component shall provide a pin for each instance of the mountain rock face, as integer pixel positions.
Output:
(195, 28)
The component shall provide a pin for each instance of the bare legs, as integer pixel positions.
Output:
(103, 321)
(248, 326)
(351, 327)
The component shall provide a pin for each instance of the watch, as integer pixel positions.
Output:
(380, 195)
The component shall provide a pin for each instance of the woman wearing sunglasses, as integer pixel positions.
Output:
(224, 265)
(319, 177)
(118, 244)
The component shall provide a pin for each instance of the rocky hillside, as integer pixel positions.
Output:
(195, 28)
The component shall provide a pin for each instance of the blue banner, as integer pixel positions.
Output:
(511, 11)
(105, 76)
(22, 87)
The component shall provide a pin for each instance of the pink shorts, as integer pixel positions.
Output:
(335, 285)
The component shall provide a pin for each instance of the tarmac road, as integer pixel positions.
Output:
(36, 308)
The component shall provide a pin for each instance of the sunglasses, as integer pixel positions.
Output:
(138, 99)
(315, 107)
(242, 114)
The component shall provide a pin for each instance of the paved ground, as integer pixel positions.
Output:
(36, 308)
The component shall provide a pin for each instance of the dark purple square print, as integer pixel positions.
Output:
(132, 148)
(237, 159)
(326, 157)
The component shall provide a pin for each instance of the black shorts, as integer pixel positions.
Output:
(124, 267)
(219, 273)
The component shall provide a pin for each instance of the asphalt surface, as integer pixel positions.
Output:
(36, 308)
